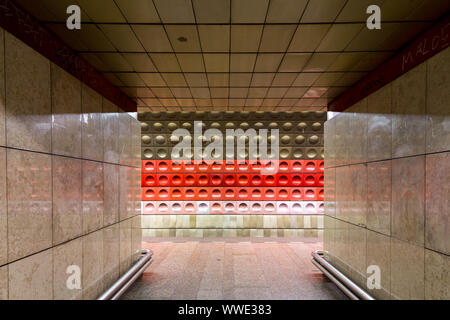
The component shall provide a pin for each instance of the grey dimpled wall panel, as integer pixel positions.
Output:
(300, 133)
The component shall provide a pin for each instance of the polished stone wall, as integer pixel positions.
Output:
(69, 181)
(387, 192)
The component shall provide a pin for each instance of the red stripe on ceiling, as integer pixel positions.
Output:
(429, 43)
(28, 29)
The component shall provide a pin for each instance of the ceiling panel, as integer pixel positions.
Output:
(191, 62)
(153, 38)
(214, 38)
(138, 11)
(322, 10)
(218, 79)
(196, 79)
(294, 62)
(122, 37)
(184, 38)
(285, 11)
(97, 11)
(307, 37)
(248, 11)
(216, 62)
(276, 38)
(242, 62)
(339, 36)
(174, 79)
(175, 11)
(245, 38)
(268, 62)
(165, 62)
(153, 79)
(212, 11)
(263, 54)
(140, 62)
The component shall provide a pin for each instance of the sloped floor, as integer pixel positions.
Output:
(233, 269)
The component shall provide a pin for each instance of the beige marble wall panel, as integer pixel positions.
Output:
(437, 276)
(437, 202)
(110, 123)
(66, 259)
(29, 184)
(407, 270)
(4, 283)
(330, 142)
(357, 133)
(67, 199)
(379, 126)
(408, 110)
(408, 199)
(28, 116)
(379, 254)
(342, 192)
(438, 102)
(111, 194)
(379, 195)
(93, 195)
(92, 281)
(136, 238)
(66, 113)
(31, 278)
(125, 245)
(2, 90)
(125, 148)
(92, 130)
(357, 192)
(3, 209)
(111, 242)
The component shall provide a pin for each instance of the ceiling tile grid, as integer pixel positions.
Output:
(233, 54)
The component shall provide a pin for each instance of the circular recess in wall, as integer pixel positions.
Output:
(296, 194)
(185, 114)
(310, 208)
(283, 165)
(149, 166)
(296, 166)
(298, 153)
(313, 139)
(171, 114)
(157, 126)
(216, 193)
(309, 180)
(203, 207)
(146, 139)
(299, 139)
(176, 207)
(310, 166)
(155, 115)
(163, 180)
(322, 153)
(149, 208)
(144, 126)
(311, 153)
(284, 153)
(176, 179)
(296, 180)
(273, 125)
(189, 193)
(258, 125)
(256, 193)
(259, 114)
(189, 207)
(216, 206)
(229, 206)
(176, 193)
(229, 180)
(256, 207)
(321, 208)
(189, 180)
(319, 114)
(162, 153)
(285, 139)
(203, 193)
(283, 208)
(304, 114)
(316, 126)
(200, 114)
(243, 207)
(150, 180)
(215, 115)
(287, 126)
(148, 153)
(172, 126)
(216, 179)
(269, 193)
(203, 180)
(243, 179)
(244, 125)
(256, 180)
(296, 208)
(301, 126)
(229, 125)
(150, 194)
(269, 207)
(283, 180)
(244, 114)
(229, 114)
(309, 194)
(215, 125)
(283, 193)
(186, 125)
(160, 140)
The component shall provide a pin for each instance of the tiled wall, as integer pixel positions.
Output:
(69, 181)
(387, 191)
(226, 198)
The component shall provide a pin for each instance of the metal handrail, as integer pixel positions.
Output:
(121, 285)
(352, 290)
